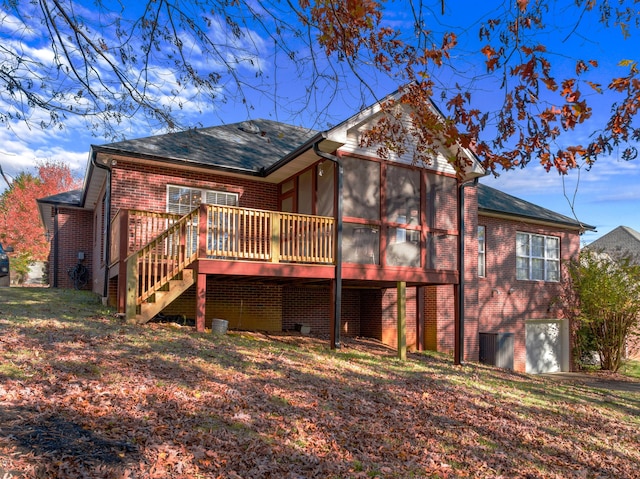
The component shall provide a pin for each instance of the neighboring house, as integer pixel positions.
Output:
(241, 222)
(618, 243)
(621, 241)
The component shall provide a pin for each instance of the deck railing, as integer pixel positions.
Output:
(233, 233)
(259, 235)
(162, 259)
(132, 229)
(153, 248)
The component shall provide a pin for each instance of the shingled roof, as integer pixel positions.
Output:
(248, 146)
(67, 198)
(492, 201)
(619, 241)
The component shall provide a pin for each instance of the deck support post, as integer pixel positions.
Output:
(336, 284)
(201, 279)
(275, 237)
(131, 308)
(334, 328)
(201, 301)
(123, 252)
(402, 319)
(420, 343)
(203, 230)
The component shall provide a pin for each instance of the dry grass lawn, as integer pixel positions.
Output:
(83, 395)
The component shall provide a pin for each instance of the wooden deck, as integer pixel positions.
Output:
(149, 250)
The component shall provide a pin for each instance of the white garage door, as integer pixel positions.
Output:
(544, 346)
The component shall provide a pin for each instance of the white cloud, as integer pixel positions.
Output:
(15, 27)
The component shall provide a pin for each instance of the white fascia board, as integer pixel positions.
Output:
(340, 132)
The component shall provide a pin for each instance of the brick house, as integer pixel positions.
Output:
(242, 222)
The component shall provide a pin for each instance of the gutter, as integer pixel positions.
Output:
(581, 227)
(459, 320)
(337, 293)
(170, 160)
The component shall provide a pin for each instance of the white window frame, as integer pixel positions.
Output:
(539, 262)
(213, 197)
(482, 251)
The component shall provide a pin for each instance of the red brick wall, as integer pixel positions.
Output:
(308, 306)
(144, 187)
(98, 255)
(311, 306)
(390, 317)
(371, 313)
(75, 234)
(471, 345)
(271, 307)
(440, 300)
(633, 344)
(439, 307)
(501, 311)
(253, 306)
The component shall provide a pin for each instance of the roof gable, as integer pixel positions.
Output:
(492, 201)
(619, 241)
(349, 133)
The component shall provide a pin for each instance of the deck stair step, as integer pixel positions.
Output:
(165, 296)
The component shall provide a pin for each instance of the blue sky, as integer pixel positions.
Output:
(606, 196)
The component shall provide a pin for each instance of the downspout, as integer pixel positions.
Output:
(107, 215)
(459, 339)
(56, 241)
(335, 344)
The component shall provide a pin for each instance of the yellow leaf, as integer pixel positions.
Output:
(596, 86)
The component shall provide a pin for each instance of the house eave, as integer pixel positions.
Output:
(45, 209)
(325, 144)
(581, 228)
(173, 161)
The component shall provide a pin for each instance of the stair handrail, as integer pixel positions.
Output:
(151, 267)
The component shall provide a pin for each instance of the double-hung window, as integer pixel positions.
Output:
(537, 257)
(481, 252)
(183, 200)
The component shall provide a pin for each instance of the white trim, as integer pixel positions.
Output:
(204, 193)
(546, 259)
(483, 252)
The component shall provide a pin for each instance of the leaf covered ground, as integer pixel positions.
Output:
(83, 395)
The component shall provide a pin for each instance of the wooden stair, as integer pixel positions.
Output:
(162, 298)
